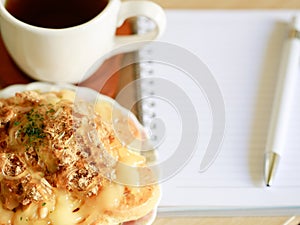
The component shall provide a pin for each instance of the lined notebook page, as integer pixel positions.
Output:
(242, 50)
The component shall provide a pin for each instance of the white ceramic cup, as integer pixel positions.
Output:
(67, 54)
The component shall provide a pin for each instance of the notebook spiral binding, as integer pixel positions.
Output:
(145, 88)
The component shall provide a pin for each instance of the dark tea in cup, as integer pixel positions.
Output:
(55, 13)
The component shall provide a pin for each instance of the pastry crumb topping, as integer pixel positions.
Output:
(46, 142)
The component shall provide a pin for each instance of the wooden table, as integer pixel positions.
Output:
(229, 4)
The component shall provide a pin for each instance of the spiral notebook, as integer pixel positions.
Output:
(242, 49)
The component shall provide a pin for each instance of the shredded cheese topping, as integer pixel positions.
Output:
(57, 160)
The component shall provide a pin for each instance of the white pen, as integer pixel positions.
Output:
(285, 89)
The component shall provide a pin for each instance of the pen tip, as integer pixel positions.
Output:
(269, 181)
(271, 164)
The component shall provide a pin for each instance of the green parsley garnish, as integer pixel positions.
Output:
(50, 111)
(16, 123)
(34, 128)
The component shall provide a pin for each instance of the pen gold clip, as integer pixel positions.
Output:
(295, 34)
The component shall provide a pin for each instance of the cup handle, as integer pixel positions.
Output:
(151, 10)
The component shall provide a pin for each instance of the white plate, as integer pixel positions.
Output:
(86, 93)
